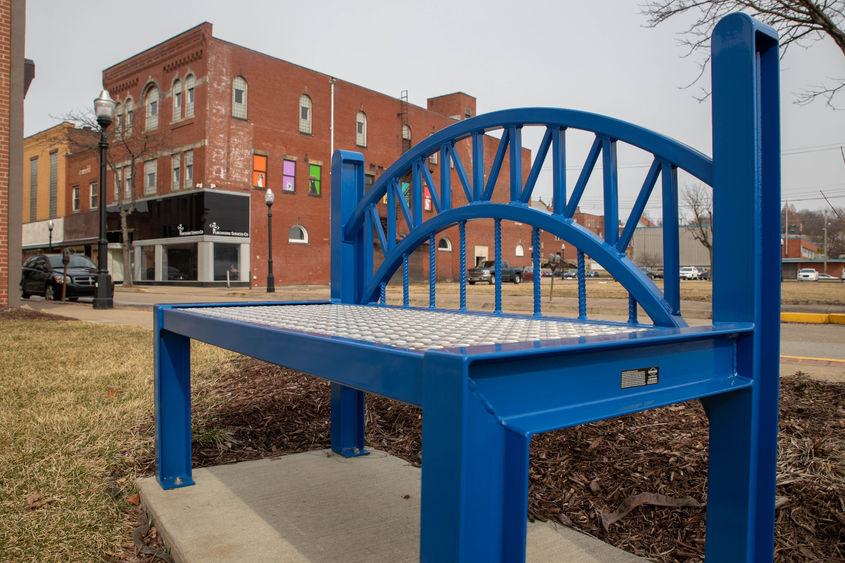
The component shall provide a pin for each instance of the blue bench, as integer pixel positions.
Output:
(487, 382)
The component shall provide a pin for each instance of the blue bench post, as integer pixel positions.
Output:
(746, 288)
(349, 261)
(172, 353)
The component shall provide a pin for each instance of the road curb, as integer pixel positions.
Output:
(813, 318)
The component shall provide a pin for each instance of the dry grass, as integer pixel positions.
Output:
(77, 404)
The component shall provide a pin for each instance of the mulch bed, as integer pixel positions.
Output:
(27, 314)
(586, 477)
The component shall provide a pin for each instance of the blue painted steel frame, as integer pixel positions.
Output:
(482, 405)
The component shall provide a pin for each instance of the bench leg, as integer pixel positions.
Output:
(474, 477)
(173, 409)
(347, 421)
(740, 490)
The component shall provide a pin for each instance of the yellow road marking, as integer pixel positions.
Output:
(817, 359)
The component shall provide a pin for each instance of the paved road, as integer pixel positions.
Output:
(133, 308)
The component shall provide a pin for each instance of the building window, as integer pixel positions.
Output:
(368, 181)
(127, 182)
(433, 158)
(150, 173)
(189, 169)
(54, 183)
(467, 113)
(118, 121)
(289, 176)
(520, 251)
(259, 171)
(92, 195)
(117, 177)
(151, 105)
(314, 180)
(406, 138)
(426, 199)
(189, 95)
(75, 200)
(33, 188)
(130, 111)
(444, 244)
(361, 129)
(305, 114)
(298, 235)
(239, 97)
(177, 99)
(226, 259)
(176, 171)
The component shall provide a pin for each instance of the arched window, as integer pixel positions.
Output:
(305, 114)
(176, 94)
(189, 95)
(239, 97)
(406, 138)
(520, 251)
(298, 235)
(444, 244)
(361, 129)
(129, 109)
(151, 106)
(118, 120)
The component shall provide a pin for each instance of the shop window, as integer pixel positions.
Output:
(239, 97)
(148, 262)
(150, 176)
(298, 235)
(130, 112)
(406, 138)
(176, 92)
(189, 169)
(520, 251)
(176, 171)
(75, 199)
(361, 129)
(289, 176)
(93, 195)
(151, 107)
(314, 180)
(259, 171)
(444, 244)
(179, 262)
(226, 262)
(305, 114)
(189, 95)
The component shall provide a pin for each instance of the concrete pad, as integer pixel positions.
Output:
(317, 506)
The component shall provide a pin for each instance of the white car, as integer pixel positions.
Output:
(690, 273)
(808, 274)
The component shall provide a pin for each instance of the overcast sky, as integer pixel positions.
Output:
(580, 54)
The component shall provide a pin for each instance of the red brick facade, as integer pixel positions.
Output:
(5, 108)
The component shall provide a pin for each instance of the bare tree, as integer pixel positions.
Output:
(698, 199)
(129, 145)
(798, 22)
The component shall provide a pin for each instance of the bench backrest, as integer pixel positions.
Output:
(367, 249)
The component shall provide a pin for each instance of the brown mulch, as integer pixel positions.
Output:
(636, 482)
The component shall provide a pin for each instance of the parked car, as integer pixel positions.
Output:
(808, 274)
(486, 272)
(648, 272)
(43, 274)
(842, 274)
(690, 273)
(592, 274)
(704, 273)
(824, 276)
(569, 274)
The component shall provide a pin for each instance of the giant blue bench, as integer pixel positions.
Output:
(488, 381)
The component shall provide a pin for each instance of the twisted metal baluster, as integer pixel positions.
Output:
(432, 272)
(582, 289)
(535, 245)
(498, 237)
(632, 309)
(405, 299)
(462, 230)
(383, 293)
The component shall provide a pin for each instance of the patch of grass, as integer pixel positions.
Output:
(76, 418)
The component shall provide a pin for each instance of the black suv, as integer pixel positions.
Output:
(43, 274)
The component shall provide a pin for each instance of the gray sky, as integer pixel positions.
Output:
(580, 54)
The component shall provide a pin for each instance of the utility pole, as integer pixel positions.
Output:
(786, 232)
(825, 241)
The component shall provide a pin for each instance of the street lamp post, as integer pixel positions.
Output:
(50, 228)
(104, 110)
(268, 199)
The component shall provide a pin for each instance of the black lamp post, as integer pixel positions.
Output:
(50, 228)
(268, 199)
(104, 110)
